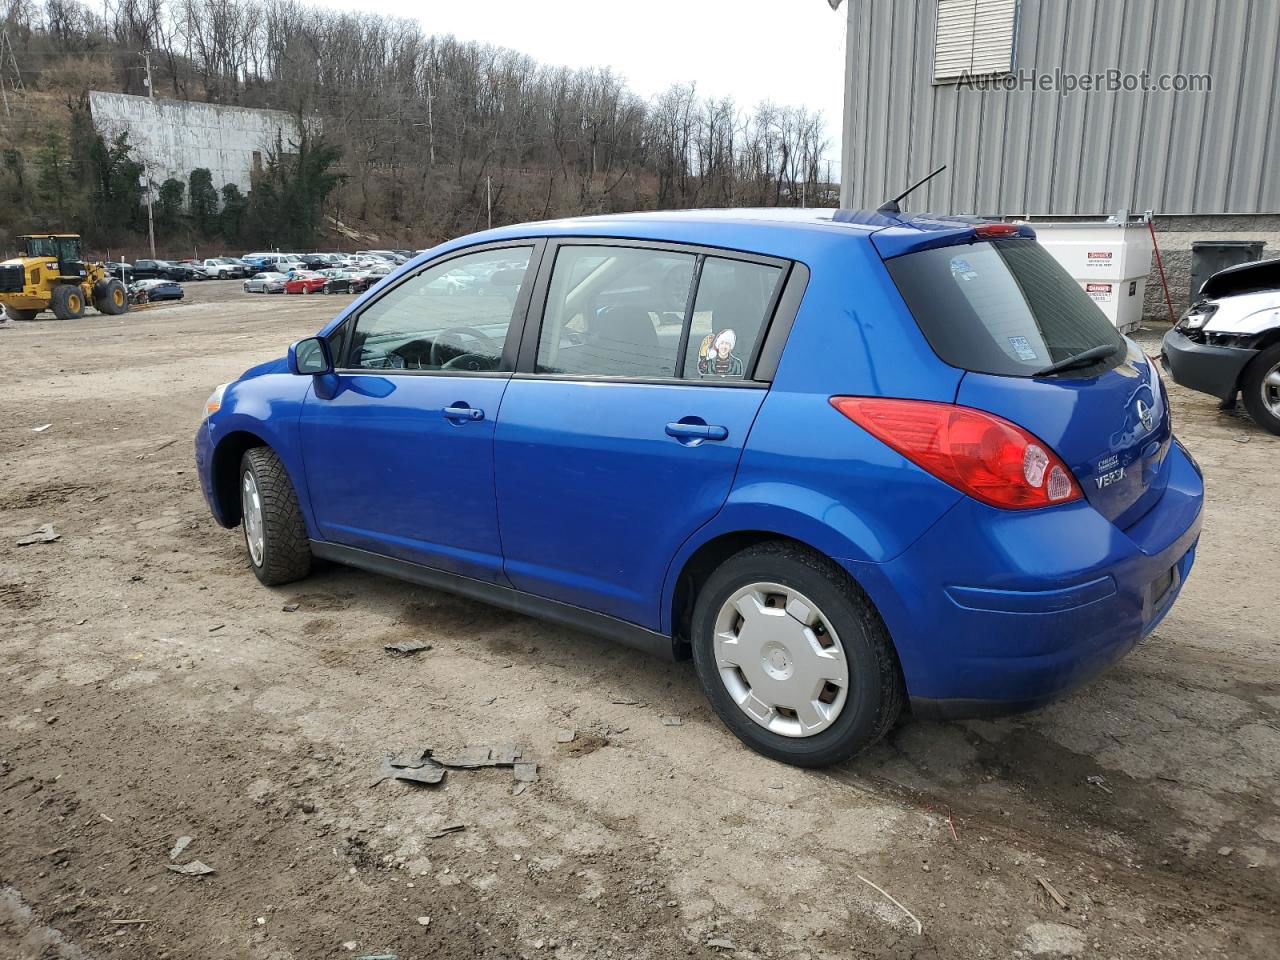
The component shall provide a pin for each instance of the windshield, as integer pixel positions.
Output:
(1004, 307)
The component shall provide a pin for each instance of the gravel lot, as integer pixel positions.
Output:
(151, 689)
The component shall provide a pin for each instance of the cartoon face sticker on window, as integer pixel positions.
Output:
(716, 357)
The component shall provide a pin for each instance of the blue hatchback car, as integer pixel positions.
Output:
(852, 464)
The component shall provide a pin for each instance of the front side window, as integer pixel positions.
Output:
(615, 312)
(451, 316)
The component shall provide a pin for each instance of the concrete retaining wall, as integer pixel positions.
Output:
(173, 137)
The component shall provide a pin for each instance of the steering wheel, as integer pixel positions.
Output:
(452, 338)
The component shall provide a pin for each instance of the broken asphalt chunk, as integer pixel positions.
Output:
(406, 648)
(193, 869)
(44, 534)
(566, 735)
(430, 775)
(525, 771)
(671, 721)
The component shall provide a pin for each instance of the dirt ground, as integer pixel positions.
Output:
(150, 688)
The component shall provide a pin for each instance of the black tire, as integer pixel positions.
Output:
(67, 302)
(286, 553)
(13, 313)
(875, 695)
(111, 298)
(1254, 388)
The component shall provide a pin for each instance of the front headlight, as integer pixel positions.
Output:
(1197, 316)
(214, 403)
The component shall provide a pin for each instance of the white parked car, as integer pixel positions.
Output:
(1228, 341)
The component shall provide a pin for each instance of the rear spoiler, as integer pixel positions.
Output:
(898, 235)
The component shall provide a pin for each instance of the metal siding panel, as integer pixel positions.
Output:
(1155, 134)
(1248, 174)
(1213, 159)
(990, 154)
(1093, 190)
(1043, 145)
(901, 28)
(1124, 156)
(1017, 143)
(1187, 131)
(1259, 177)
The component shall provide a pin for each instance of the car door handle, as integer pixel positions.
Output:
(460, 413)
(697, 431)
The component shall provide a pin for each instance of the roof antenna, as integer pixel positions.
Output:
(891, 206)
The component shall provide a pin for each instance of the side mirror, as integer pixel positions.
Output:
(310, 357)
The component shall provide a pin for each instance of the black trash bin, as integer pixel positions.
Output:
(1210, 256)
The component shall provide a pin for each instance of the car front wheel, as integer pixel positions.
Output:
(1260, 388)
(275, 536)
(794, 657)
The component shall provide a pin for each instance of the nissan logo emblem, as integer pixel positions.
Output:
(1144, 414)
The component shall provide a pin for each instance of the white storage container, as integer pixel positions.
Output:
(1109, 259)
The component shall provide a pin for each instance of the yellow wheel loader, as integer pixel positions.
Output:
(51, 276)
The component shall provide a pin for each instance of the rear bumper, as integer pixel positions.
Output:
(1209, 369)
(995, 611)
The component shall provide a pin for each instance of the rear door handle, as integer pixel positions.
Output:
(461, 413)
(697, 431)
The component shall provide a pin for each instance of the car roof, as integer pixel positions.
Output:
(783, 231)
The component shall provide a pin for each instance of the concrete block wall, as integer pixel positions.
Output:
(173, 137)
(1175, 235)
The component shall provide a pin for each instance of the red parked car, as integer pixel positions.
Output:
(305, 283)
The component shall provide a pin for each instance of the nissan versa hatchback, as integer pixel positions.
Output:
(853, 465)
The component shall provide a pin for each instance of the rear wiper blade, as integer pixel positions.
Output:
(1082, 359)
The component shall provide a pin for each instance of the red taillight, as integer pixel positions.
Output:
(988, 458)
(993, 231)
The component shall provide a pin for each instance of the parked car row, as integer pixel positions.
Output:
(353, 280)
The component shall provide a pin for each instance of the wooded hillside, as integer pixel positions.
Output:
(418, 125)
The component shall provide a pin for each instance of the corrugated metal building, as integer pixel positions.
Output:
(915, 100)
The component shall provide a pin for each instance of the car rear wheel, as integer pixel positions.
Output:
(1260, 387)
(275, 536)
(793, 657)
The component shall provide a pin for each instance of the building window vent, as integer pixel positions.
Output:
(974, 38)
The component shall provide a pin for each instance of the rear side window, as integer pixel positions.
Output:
(729, 315)
(1004, 307)
(615, 312)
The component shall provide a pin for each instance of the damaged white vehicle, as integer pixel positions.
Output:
(1228, 341)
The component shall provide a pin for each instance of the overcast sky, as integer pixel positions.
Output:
(788, 51)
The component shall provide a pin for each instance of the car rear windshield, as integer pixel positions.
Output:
(1004, 307)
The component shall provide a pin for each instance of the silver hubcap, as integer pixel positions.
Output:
(1271, 390)
(780, 660)
(251, 511)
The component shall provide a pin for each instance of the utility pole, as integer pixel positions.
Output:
(488, 198)
(145, 182)
(151, 92)
(431, 127)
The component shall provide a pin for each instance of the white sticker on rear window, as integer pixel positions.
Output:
(1022, 348)
(961, 270)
